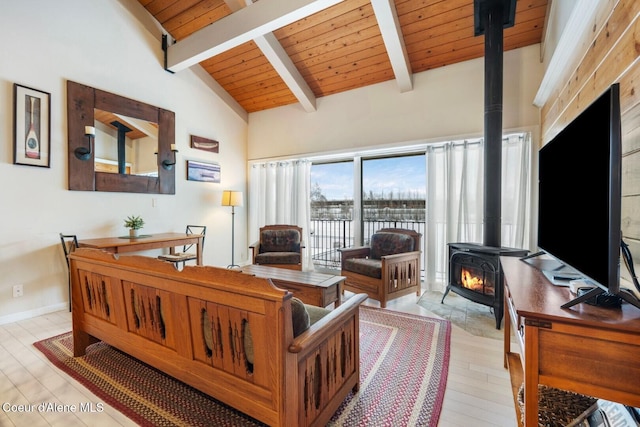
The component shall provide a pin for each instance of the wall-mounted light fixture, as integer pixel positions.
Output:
(83, 153)
(168, 165)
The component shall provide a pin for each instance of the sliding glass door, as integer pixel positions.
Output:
(393, 193)
(351, 197)
(332, 212)
(350, 200)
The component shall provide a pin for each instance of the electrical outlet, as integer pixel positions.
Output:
(18, 291)
(154, 202)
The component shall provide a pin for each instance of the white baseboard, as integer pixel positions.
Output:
(16, 317)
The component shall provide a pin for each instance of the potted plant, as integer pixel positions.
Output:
(134, 223)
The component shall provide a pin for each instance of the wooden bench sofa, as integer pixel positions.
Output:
(194, 325)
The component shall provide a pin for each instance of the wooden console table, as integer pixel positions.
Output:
(125, 244)
(585, 349)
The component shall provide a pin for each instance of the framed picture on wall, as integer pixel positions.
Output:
(205, 144)
(205, 172)
(31, 127)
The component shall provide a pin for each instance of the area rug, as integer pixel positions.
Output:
(404, 361)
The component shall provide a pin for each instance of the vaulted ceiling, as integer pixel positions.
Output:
(279, 52)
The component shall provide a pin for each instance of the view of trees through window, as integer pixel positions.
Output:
(332, 191)
(393, 193)
(394, 188)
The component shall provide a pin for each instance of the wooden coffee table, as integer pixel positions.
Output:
(313, 288)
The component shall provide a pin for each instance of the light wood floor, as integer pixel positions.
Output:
(478, 388)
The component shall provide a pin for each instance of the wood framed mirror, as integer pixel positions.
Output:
(85, 107)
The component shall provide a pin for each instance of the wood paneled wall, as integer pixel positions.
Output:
(612, 57)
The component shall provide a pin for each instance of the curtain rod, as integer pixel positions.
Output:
(373, 152)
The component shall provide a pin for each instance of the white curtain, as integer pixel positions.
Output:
(516, 191)
(455, 199)
(454, 203)
(279, 193)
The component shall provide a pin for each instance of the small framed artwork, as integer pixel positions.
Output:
(204, 172)
(31, 127)
(204, 144)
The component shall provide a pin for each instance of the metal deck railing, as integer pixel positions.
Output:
(327, 236)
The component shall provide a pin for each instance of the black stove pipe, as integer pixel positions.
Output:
(122, 133)
(493, 17)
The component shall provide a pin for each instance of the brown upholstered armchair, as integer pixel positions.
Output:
(279, 246)
(386, 269)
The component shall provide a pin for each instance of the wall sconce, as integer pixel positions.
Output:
(168, 165)
(83, 153)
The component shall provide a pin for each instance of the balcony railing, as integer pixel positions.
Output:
(327, 236)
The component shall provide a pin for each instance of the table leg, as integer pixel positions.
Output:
(338, 301)
(531, 376)
(507, 331)
(199, 251)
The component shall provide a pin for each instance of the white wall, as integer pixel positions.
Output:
(100, 44)
(445, 103)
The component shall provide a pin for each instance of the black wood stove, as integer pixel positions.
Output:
(475, 273)
(474, 270)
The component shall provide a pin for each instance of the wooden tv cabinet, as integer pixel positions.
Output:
(585, 349)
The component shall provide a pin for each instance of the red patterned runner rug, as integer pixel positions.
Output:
(404, 361)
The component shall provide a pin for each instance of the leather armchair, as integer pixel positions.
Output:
(386, 269)
(279, 246)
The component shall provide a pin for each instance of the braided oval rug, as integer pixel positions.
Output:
(404, 361)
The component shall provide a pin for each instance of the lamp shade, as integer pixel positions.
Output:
(231, 198)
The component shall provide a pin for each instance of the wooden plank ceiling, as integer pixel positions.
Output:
(341, 47)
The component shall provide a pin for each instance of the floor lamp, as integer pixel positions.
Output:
(233, 199)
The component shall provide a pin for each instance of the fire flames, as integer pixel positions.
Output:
(470, 281)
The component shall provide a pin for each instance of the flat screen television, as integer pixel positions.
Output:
(579, 210)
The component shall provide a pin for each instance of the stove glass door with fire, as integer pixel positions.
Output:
(474, 273)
